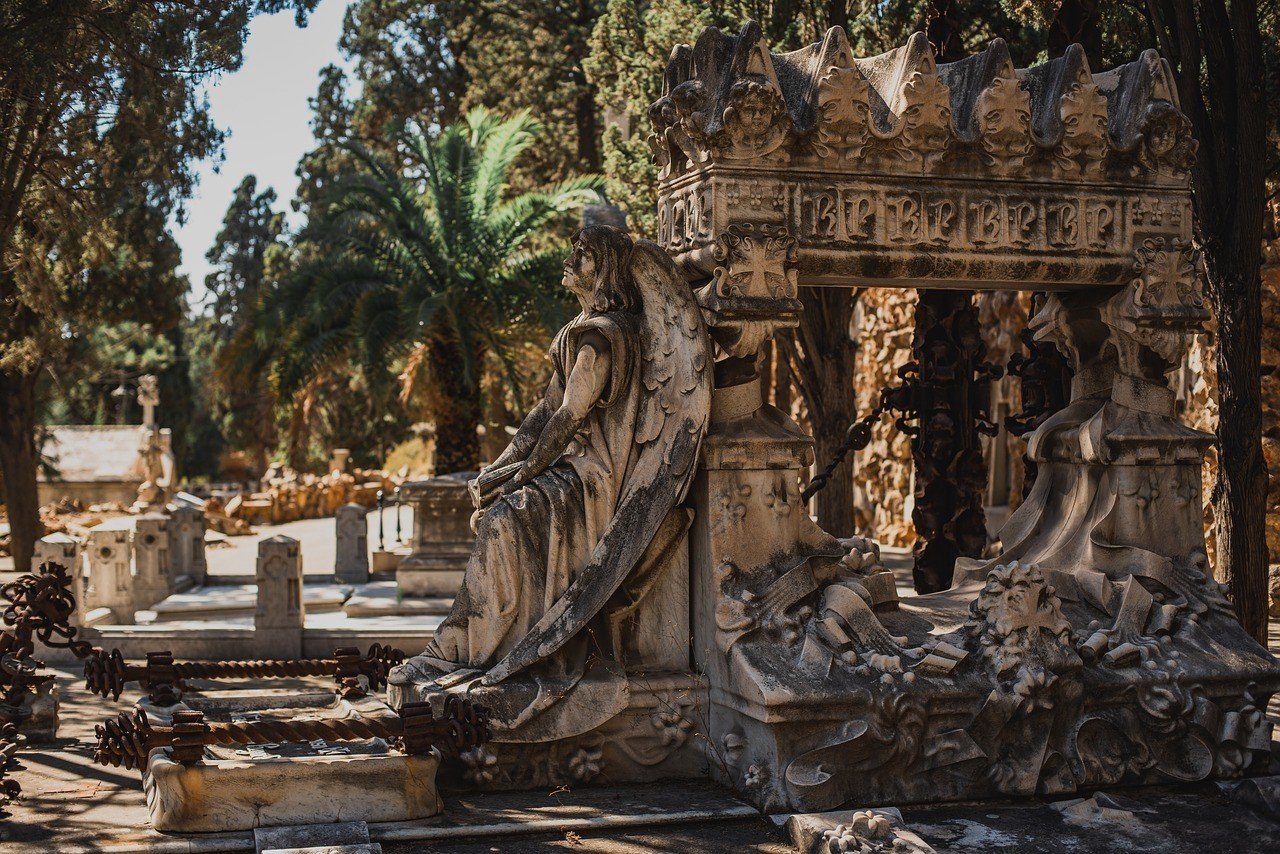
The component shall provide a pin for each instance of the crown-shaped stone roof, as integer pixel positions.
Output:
(729, 99)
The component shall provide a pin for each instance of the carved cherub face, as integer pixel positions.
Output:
(754, 108)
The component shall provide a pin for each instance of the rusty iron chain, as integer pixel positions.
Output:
(128, 740)
(107, 673)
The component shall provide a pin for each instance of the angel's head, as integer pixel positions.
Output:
(598, 271)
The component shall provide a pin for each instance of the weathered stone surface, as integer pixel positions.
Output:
(221, 795)
(1094, 650)
(310, 836)
(854, 832)
(65, 550)
(109, 563)
(575, 597)
(351, 527)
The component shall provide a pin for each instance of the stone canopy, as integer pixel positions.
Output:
(895, 170)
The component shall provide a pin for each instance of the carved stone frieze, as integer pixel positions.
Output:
(893, 167)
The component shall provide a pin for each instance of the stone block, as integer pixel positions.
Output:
(40, 710)
(222, 795)
(186, 544)
(351, 528)
(442, 537)
(311, 837)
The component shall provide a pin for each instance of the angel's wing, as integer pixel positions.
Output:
(675, 406)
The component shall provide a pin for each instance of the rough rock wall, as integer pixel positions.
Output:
(882, 492)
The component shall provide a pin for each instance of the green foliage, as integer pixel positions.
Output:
(426, 262)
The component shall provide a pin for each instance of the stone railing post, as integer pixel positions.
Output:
(153, 580)
(280, 614)
(351, 527)
(109, 559)
(186, 545)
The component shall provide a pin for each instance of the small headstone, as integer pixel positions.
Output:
(109, 559)
(186, 544)
(352, 530)
(280, 614)
(152, 581)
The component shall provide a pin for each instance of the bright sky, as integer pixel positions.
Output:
(264, 106)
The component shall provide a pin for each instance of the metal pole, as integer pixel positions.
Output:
(382, 542)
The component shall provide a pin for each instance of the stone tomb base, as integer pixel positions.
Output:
(242, 787)
(1190, 708)
(658, 736)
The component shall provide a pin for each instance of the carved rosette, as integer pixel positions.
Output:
(754, 289)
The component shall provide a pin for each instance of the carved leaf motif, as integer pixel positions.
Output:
(923, 130)
(1083, 110)
(1004, 119)
(845, 113)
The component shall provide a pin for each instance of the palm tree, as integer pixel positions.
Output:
(430, 264)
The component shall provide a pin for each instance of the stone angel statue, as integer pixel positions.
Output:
(573, 511)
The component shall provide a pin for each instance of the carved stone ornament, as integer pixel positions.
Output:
(755, 121)
(845, 109)
(1004, 122)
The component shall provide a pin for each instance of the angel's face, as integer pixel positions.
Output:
(579, 271)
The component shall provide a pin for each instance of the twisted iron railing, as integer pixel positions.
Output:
(128, 740)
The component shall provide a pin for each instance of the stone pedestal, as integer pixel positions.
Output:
(109, 558)
(152, 578)
(352, 531)
(280, 614)
(442, 536)
(186, 544)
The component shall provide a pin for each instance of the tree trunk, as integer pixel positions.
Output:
(1241, 487)
(461, 408)
(1215, 51)
(19, 460)
(1077, 22)
(826, 382)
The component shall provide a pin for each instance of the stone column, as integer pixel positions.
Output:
(153, 580)
(752, 458)
(280, 614)
(186, 544)
(109, 558)
(442, 536)
(63, 549)
(351, 527)
(1118, 491)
